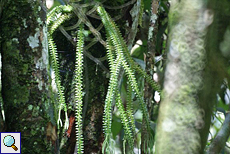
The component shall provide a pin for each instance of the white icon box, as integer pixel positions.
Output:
(10, 142)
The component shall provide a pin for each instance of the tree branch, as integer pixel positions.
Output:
(222, 136)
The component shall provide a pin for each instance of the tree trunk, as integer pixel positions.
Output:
(218, 52)
(149, 62)
(192, 77)
(25, 79)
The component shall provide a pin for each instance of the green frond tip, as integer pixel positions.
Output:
(57, 16)
(105, 145)
(78, 89)
(67, 8)
(57, 23)
(54, 14)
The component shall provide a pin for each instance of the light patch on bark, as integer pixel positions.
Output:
(34, 40)
(39, 21)
(153, 20)
(15, 40)
(168, 125)
(24, 23)
(205, 19)
(45, 54)
(43, 62)
(40, 84)
(53, 83)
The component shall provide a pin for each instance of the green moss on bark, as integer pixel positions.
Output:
(24, 73)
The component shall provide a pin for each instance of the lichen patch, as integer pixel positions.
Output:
(34, 40)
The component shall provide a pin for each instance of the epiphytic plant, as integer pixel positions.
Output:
(118, 57)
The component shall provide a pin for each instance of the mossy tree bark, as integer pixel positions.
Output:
(192, 78)
(25, 79)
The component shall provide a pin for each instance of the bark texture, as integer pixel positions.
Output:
(25, 79)
(191, 78)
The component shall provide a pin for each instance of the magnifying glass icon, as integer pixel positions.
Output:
(9, 141)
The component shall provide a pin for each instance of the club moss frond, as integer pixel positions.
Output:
(55, 13)
(129, 108)
(117, 42)
(57, 23)
(78, 90)
(141, 13)
(132, 79)
(128, 126)
(115, 64)
(114, 33)
(126, 61)
(54, 19)
(107, 118)
(125, 121)
(111, 57)
(106, 144)
(55, 66)
(118, 56)
(57, 16)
